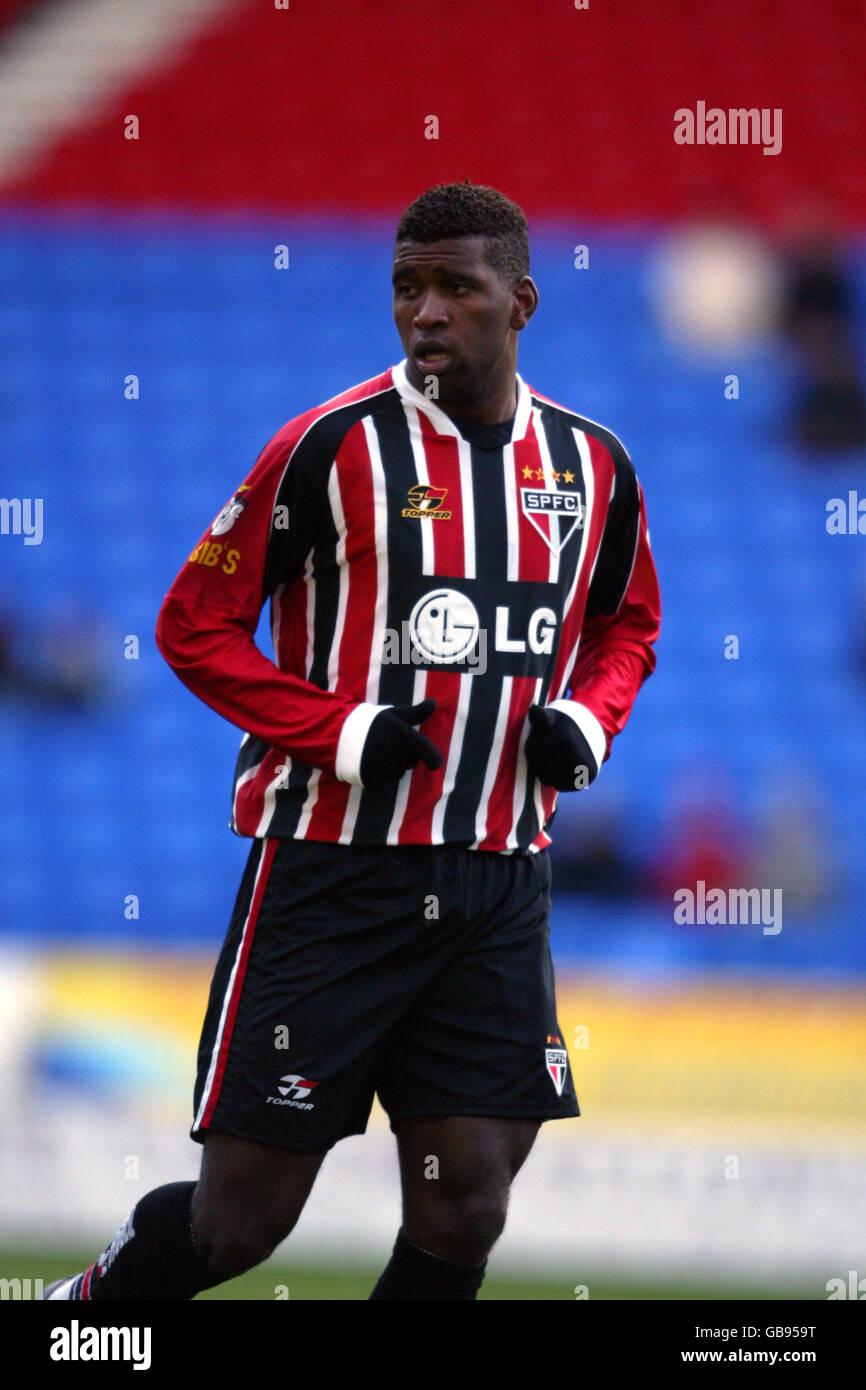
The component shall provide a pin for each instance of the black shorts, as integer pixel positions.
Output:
(418, 973)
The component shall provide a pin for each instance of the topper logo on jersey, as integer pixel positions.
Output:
(558, 506)
(425, 503)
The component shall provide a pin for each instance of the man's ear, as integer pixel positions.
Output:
(526, 302)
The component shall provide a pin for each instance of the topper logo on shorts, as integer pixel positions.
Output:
(557, 1062)
(293, 1093)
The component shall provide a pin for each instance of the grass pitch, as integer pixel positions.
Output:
(327, 1283)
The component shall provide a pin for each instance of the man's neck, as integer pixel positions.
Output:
(494, 411)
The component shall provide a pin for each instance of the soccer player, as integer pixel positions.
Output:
(463, 604)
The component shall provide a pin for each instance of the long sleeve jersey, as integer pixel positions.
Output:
(407, 557)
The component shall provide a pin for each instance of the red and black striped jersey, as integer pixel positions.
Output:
(405, 557)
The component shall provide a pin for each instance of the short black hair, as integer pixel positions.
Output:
(472, 209)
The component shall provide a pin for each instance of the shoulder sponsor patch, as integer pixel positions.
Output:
(228, 516)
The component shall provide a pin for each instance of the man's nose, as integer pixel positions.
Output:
(430, 309)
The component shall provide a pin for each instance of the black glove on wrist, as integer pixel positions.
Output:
(557, 752)
(392, 746)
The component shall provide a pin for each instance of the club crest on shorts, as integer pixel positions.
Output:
(557, 1061)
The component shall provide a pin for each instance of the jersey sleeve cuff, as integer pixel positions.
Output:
(350, 745)
(588, 724)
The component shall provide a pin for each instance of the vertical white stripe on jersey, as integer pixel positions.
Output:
(538, 802)
(416, 438)
(214, 1057)
(380, 524)
(309, 804)
(241, 782)
(524, 406)
(276, 616)
(455, 748)
(520, 778)
(598, 550)
(336, 502)
(313, 782)
(310, 586)
(493, 760)
(465, 455)
(339, 526)
(589, 488)
(512, 515)
(419, 687)
(547, 466)
(269, 801)
(380, 615)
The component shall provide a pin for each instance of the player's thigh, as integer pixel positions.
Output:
(328, 947)
(460, 1160)
(483, 1039)
(251, 1185)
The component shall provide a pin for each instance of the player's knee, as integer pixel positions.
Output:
(227, 1253)
(480, 1218)
(229, 1242)
(464, 1226)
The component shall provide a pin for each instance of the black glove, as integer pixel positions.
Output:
(392, 746)
(557, 752)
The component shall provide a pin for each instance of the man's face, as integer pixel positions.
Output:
(456, 317)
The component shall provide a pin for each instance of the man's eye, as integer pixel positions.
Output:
(456, 286)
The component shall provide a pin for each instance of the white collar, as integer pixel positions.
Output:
(442, 423)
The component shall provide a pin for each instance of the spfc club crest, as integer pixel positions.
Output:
(564, 512)
(557, 1062)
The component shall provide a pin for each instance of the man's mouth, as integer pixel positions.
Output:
(431, 357)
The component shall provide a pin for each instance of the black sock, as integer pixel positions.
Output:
(415, 1273)
(153, 1255)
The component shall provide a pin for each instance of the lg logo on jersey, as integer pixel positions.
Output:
(539, 633)
(444, 628)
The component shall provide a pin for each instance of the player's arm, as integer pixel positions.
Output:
(208, 620)
(570, 738)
